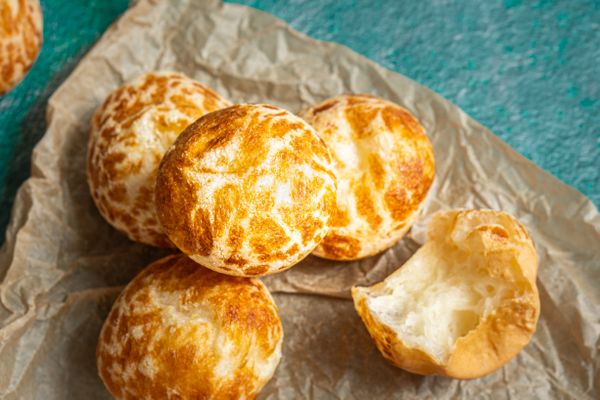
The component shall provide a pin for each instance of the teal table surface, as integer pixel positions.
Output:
(528, 70)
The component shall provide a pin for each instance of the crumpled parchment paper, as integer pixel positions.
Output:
(62, 266)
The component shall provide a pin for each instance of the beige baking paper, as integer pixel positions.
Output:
(63, 266)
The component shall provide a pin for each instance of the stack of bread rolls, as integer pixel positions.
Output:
(248, 190)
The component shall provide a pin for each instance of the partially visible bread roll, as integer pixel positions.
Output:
(385, 166)
(181, 331)
(130, 133)
(20, 40)
(464, 304)
(247, 190)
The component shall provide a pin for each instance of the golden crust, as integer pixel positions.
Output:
(20, 40)
(181, 331)
(509, 255)
(130, 133)
(385, 165)
(246, 190)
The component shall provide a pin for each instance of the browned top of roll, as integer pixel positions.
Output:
(20, 40)
(182, 331)
(385, 165)
(131, 131)
(246, 190)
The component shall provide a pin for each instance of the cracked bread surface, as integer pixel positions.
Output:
(384, 163)
(247, 190)
(20, 40)
(131, 131)
(182, 331)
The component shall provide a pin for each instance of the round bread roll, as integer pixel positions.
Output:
(464, 304)
(130, 133)
(181, 331)
(20, 40)
(246, 190)
(384, 165)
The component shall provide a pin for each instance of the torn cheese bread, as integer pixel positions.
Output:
(464, 304)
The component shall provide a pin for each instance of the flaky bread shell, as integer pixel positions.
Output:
(20, 40)
(502, 334)
(247, 190)
(130, 133)
(182, 331)
(385, 165)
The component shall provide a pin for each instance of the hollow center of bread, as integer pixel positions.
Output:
(436, 298)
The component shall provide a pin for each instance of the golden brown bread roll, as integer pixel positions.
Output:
(181, 331)
(385, 166)
(246, 190)
(464, 304)
(20, 40)
(130, 133)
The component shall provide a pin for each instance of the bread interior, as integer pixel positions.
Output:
(437, 297)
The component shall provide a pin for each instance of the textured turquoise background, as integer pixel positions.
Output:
(528, 70)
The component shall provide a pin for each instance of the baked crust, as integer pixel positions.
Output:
(507, 253)
(20, 40)
(182, 331)
(130, 133)
(385, 165)
(246, 190)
